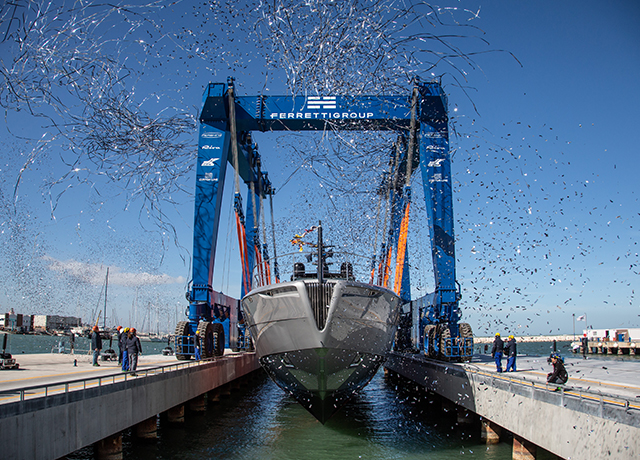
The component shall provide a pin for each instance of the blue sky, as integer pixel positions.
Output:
(546, 208)
(568, 115)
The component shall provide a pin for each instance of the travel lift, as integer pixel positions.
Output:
(430, 323)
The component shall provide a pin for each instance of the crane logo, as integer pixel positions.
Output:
(321, 102)
(210, 162)
(208, 177)
(327, 106)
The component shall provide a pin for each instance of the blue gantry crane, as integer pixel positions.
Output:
(430, 323)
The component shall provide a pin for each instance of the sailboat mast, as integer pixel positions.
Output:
(106, 288)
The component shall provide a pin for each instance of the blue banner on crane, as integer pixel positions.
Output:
(309, 113)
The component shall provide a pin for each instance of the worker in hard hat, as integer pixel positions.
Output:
(123, 344)
(198, 352)
(497, 351)
(510, 351)
(96, 344)
(119, 332)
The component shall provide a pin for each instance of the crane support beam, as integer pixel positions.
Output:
(213, 152)
(252, 239)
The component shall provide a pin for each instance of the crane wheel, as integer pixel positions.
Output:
(205, 334)
(444, 334)
(218, 339)
(465, 333)
(429, 341)
(182, 343)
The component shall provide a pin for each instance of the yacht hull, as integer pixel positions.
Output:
(322, 342)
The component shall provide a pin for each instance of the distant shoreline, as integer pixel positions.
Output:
(531, 338)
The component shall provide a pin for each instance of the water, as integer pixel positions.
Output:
(18, 344)
(530, 348)
(260, 421)
(545, 349)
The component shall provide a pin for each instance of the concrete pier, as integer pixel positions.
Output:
(176, 414)
(148, 429)
(198, 404)
(109, 448)
(608, 347)
(66, 408)
(490, 433)
(595, 415)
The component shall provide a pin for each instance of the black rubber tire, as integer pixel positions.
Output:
(465, 333)
(429, 332)
(205, 332)
(444, 333)
(182, 329)
(218, 339)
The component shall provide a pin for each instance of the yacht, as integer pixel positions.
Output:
(322, 336)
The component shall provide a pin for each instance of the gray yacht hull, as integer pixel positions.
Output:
(322, 343)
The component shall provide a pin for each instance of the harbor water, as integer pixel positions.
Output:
(25, 343)
(259, 421)
(18, 343)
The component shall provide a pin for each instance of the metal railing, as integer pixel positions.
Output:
(57, 388)
(590, 394)
(587, 394)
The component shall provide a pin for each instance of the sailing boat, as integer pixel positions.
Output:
(86, 330)
(104, 333)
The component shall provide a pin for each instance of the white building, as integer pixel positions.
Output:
(620, 334)
(54, 322)
(13, 321)
(9, 321)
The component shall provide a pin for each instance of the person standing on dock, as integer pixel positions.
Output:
(585, 346)
(119, 329)
(133, 349)
(198, 352)
(96, 344)
(497, 350)
(511, 354)
(123, 344)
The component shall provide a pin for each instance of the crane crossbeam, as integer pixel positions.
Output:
(309, 113)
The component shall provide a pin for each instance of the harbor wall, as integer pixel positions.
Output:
(566, 425)
(54, 426)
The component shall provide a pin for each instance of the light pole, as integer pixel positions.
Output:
(574, 326)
